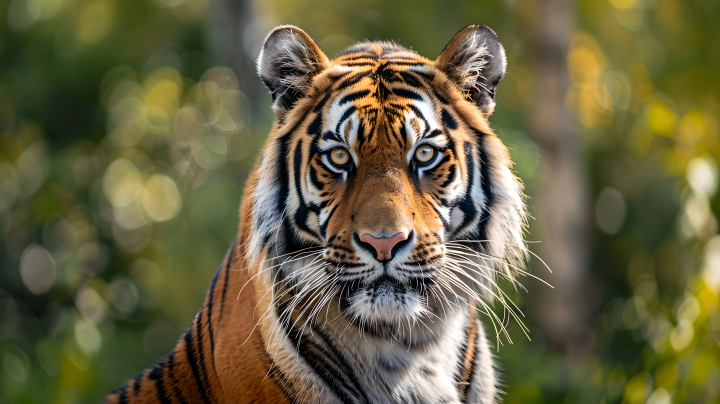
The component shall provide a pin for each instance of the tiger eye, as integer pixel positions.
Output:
(424, 153)
(339, 156)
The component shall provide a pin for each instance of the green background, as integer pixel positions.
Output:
(125, 145)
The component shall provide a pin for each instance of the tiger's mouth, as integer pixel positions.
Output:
(386, 286)
(386, 299)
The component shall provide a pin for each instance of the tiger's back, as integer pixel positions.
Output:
(380, 214)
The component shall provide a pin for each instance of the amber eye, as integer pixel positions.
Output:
(424, 153)
(339, 156)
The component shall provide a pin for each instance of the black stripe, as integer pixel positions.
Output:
(301, 214)
(201, 350)
(316, 125)
(231, 253)
(420, 115)
(434, 206)
(280, 162)
(397, 62)
(156, 375)
(467, 205)
(122, 394)
(352, 80)
(324, 226)
(359, 64)
(282, 381)
(170, 367)
(403, 135)
(333, 376)
(335, 372)
(209, 310)
(412, 95)
(136, 383)
(428, 76)
(340, 361)
(410, 79)
(192, 359)
(433, 133)
(478, 332)
(486, 187)
(315, 180)
(321, 104)
(345, 116)
(448, 120)
(330, 135)
(353, 96)
(452, 171)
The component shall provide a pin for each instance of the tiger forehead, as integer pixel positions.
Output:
(379, 52)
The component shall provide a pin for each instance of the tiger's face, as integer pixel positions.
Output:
(384, 161)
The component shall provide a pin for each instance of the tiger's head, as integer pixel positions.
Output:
(382, 184)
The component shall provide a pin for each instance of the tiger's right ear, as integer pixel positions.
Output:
(287, 63)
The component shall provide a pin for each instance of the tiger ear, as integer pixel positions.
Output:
(475, 60)
(287, 63)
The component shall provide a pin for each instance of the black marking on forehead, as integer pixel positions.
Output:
(448, 120)
(394, 110)
(408, 63)
(354, 79)
(382, 91)
(439, 97)
(403, 135)
(337, 76)
(353, 96)
(401, 92)
(410, 79)
(390, 76)
(361, 133)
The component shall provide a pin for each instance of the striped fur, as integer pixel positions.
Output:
(301, 310)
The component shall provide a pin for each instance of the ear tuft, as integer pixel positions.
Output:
(475, 60)
(287, 63)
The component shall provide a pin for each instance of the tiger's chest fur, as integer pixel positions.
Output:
(446, 362)
(380, 215)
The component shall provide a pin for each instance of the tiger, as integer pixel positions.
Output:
(373, 229)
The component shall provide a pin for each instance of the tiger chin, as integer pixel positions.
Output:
(380, 215)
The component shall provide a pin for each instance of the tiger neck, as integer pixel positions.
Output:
(353, 364)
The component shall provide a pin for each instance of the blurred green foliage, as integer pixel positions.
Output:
(124, 150)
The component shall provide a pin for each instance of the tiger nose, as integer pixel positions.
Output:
(384, 245)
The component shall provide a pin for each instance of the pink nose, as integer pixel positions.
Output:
(383, 246)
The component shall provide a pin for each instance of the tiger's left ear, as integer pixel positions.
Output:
(287, 63)
(475, 60)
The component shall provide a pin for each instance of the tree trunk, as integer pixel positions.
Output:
(561, 199)
(238, 33)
